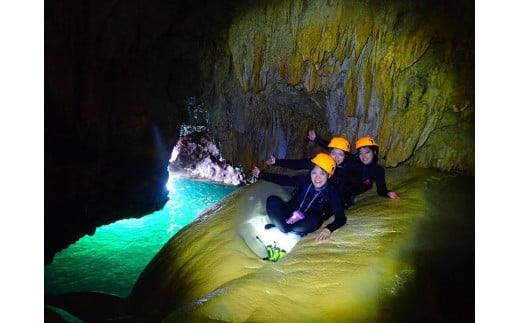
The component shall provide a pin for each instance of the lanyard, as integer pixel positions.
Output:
(305, 197)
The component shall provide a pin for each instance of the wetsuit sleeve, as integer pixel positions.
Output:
(285, 180)
(339, 213)
(294, 163)
(279, 179)
(381, 181)
(320, 141)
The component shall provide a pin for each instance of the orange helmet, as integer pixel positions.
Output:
(366, 141)
(340, 143)
(324, 161)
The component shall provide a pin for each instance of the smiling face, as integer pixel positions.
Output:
(366, 155)
(338, 155)
(319, 177)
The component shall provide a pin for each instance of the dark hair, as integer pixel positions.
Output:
(374, 149)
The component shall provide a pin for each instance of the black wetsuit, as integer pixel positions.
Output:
(312, 202)
(341, 179)
(360, 177)
(365, 176)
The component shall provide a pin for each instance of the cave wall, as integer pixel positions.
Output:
(402, 71)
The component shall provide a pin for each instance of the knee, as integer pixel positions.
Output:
(272, 201)
(271, 198)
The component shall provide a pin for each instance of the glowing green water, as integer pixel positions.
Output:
(111, 260)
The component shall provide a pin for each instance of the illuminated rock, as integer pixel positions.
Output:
(409, 260)
(197, 156)
(208, 272)
(397, 70)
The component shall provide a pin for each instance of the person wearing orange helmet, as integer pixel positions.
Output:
(368, 170)
(339, 146)
(339, 150)
(362, 170)
(313, 202)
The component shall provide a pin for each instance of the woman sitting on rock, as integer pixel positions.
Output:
(314, 201)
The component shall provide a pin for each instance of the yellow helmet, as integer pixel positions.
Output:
(366, 141)
(325, 161)
(340, 143)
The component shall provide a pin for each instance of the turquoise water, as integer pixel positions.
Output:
(111, 260)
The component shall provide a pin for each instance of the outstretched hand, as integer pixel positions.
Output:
(393, 195)
(324, 235)
(311, 135)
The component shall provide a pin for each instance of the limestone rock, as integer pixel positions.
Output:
(208, 272)
(197, 156)
(399, 71)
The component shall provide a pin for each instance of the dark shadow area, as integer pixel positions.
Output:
(443, 255)
(116, 77)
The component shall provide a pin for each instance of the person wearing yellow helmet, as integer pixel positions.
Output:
(339, 146)
(310, 206)
(368, 170)
(339, 150)
(361, 170)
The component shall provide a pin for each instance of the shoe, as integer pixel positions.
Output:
(274, 253)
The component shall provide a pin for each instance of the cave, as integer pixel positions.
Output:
(120, 75)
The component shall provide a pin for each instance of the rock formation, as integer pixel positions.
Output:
(402, 71)
(395, 261)
(195, 155)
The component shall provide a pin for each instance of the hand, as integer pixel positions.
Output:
(256, 171)
(271, 160)
(324, 235)
(311, 135)
(393, 195)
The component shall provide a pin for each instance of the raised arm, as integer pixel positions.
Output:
(317, 139)
(304, 163)
(279, 179)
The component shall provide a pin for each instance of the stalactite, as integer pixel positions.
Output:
(394, 61)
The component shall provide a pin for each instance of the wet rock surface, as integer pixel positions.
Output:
(197, 156)
(410, 260)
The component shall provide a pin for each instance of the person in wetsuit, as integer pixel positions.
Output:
(339, 151)
(309, 207)
(360, 171)
(367, 171)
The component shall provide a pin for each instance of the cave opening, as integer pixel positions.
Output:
(111, 259)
